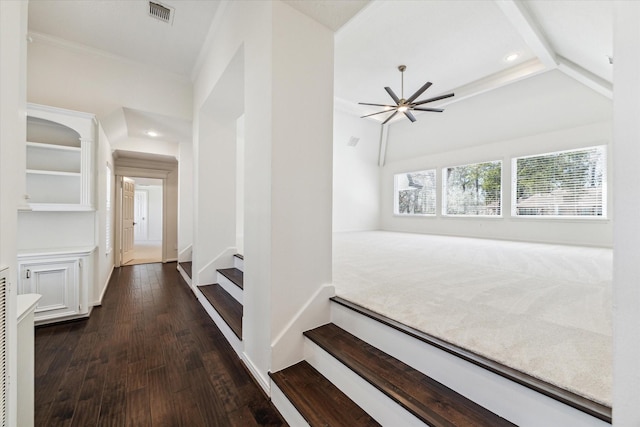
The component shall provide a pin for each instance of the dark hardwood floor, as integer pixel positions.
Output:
(150, 356)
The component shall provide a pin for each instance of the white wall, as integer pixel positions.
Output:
(356, 175)
(626, 252)
(154, 202)
(597, 232)
(185, 205)
(13, 26)
(78, 78)
(287, 162)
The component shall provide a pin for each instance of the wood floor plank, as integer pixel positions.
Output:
(149, 356)
(226, 306)
(427, 399)
(319, 401)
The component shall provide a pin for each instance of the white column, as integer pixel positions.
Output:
(626, 230)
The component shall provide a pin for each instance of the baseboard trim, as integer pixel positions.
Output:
(104, 288)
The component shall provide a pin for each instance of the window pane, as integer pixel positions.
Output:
(416, 193)
(473, 189)
(567, 183)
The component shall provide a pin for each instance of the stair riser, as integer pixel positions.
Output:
(231, 337)
(286, 408)
(238, 263)
(508, 399)
(386, 411)
(230, 287)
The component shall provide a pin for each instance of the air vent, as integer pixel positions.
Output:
(161, 12)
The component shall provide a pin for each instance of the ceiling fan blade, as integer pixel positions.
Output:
(378, 105)
(437, 98)
(390, 117)
(373, 114)
(410, 116)
(433, 110)
(392, 95)
(419, 92)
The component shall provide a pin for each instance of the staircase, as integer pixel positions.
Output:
(384, 373)
(223, 302)
(392, 392)
(365, 370)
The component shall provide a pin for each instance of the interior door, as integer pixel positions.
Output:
(141, 227)
(128, 211)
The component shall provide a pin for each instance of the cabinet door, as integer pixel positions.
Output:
(57, 282)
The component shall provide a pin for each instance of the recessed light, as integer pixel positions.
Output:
(152, 133)
(512, 57)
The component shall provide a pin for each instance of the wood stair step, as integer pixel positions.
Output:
(236, 276)
(319, 401)
(186, 266)
(227, 307)
(427, 399)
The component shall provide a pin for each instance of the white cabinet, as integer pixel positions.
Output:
(61, 277)
(60, 165)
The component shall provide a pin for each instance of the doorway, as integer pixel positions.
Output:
(142, 220)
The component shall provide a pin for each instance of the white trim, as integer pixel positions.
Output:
(104, 288)
(231, 337)
(287, 348)
(286, 408)
(524, 407)
(209, 273)
(262, 380)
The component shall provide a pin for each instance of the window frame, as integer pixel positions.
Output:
(444, 188)
(604, 187)
(396, 201)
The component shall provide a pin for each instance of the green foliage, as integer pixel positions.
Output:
(474, 189)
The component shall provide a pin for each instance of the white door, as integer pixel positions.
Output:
(141, 215)
(128, 194)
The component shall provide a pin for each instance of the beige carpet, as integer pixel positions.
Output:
(541, 309)
(146, 252)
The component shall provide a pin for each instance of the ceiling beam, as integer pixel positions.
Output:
(571, 69)
(517, 13)
(523, 22)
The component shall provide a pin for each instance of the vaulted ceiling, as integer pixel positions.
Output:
(460, 45)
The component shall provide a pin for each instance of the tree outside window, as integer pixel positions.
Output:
(473, 189)
(415, 193)
(565, 183)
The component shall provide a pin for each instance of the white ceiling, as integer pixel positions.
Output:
(458, 45)
(124, 28)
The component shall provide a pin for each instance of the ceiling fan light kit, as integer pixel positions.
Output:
(403, 105)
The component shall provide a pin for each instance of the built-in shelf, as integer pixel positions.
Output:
(59, 169)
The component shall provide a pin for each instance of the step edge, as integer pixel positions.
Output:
(567, 397)
(231, 279)
(403, 400)
(218, 311)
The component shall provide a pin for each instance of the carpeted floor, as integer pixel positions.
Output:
(146, 252)
(541, 309)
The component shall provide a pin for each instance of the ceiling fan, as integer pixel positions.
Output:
(407, 105)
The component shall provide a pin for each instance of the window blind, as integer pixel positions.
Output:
(474, 189)
(560, 184)
(415, 193)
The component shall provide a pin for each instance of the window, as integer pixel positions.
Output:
(473, 189)
(561, 184)
(108, 209)
(415, 193)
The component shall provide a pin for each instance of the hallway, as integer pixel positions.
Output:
(149, 356)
